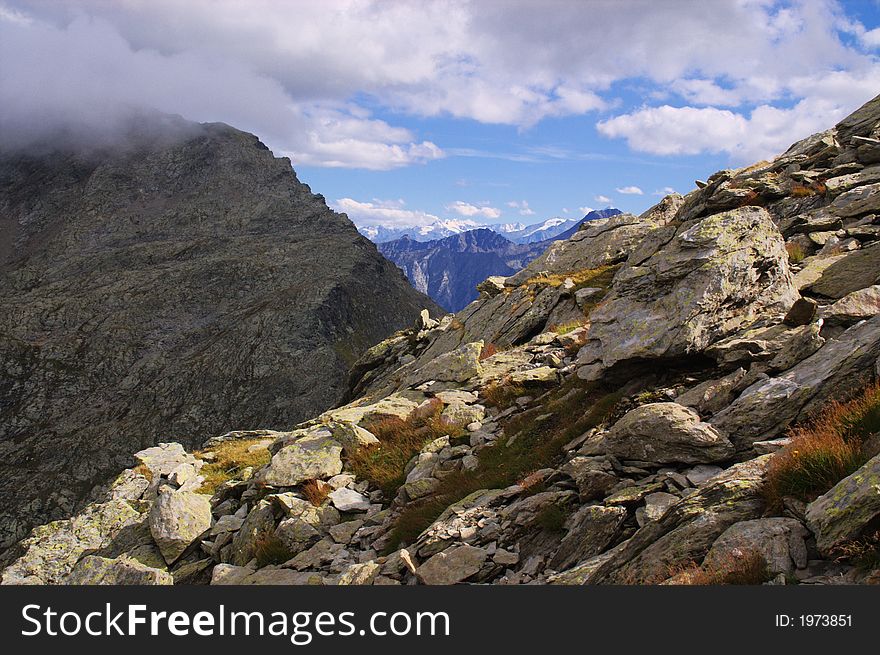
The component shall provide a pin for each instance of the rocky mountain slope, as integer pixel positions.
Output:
(183, 282)
(650, 401)
(449, 270)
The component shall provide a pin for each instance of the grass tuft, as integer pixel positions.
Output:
(400, 440)
(796, 252)
(315, 491)
(744, 568)
(825, 450)
(502, 394)
(230, 457)
(269, 549)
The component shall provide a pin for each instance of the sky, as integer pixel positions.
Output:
(405, 113)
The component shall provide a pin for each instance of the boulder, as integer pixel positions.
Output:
(258, 524)
(161, 460)
(851, 506)
(716, 275)
(52, 550)
(177, 519)
(780, 541)
(853, 307)
(93, 570)
(861, 200)
(459, 414)
(666, 433)
(766, 408)
(849, 273)
(589, 531)
(309, 458)
(714, 395)
(459, 365)
(351, 436)
(346, 500)
(452, 565)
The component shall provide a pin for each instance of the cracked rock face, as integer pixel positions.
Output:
(178, 288)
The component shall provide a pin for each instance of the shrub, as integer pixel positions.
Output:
(230, 457)
(315, 491)
(825, 450)
(400, 440)
(743, 568)
(863, 553)
(269, 549)
(796, 252)
(502, 394)
(575, 408)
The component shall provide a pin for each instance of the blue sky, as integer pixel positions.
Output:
(409, 112)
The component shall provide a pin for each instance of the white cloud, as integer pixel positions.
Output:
(630, 190)
(665, 191)
(602, 200)
(566, 210)
(388, 213)
(466, 209)
(522, 206)
(584, 210)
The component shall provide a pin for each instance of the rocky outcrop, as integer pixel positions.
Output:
(182, 284)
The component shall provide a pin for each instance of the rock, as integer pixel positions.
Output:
(177, 519)
(258, 524)
(341, 480)
(52, 550)
(161, 460)
(771, 446)
(722, 272)
(342, 533)
(854, 307)
(714, 395)
(812, 270)
(351, 437)
(837, 185)
(849, 273)
(452, 565)
(309, 458)
(844, 512)
(296, 534)
(779, 540)
(393, 405)
(545, 375)
(861, 200)
(780, 345)
(666, 433)
(459, 365)
(346, 500)
(657, 503)
(456, 396)
(93, 570)
(589, 531)
(841, 367)
(702, 473)
(359, 574)
(492, 285)
(228, 574)
(802, 312)
(459, 414)
(683, 534)
(228, 523)
(425, 322)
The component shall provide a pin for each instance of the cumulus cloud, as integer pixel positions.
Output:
(388, 213)
(665, 191)
(310, 79)
(602, 200)
(467, 209)
(630, 190)
(522, 206)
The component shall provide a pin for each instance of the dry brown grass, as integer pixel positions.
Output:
(588, 277)
(825, 450)
(502, 394)
(864, 552)
(488, 350)
(808, 190)
(269, 549)
(745, 568)
(230, 457)
(315, 491)
(796, 252)
(400, 440)
(144, 470)
(565, 328)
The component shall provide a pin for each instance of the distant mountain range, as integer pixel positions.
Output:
(514, 232)
(449, 269)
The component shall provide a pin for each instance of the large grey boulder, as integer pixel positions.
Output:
(666, 433)
(714, 276)
(780, 541)
(844, 512)
(312, 457)
(177, 519)
(853, 307)
(52, 550)
(848, 273)
(766, 408)
(452, 565)
(589, 531)
(94, 570)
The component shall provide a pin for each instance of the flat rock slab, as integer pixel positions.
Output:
(452, 565)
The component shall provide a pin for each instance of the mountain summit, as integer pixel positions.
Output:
(180, 282)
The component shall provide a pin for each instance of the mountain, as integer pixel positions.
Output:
(515, 232)
(689, 396)
(448, 270)
(178, 284)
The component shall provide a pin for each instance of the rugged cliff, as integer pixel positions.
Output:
(686, 396)
(177, 283)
